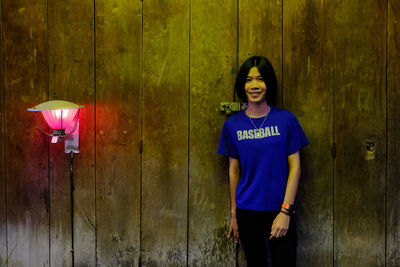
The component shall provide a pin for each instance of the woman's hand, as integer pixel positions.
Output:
(280, 225)
(233, 227)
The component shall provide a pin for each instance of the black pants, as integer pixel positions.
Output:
(254, 231)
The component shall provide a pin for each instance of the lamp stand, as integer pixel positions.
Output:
(71, 171)
(72, 143)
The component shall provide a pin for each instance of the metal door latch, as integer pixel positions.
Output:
(229, 107)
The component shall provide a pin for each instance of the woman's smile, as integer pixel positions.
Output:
(255, 86)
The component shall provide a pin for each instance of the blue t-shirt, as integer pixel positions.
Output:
(263, 156)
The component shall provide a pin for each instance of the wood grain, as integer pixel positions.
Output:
(118, 128)
(330, 59)
(260, 34)
(3, 208)
(308, 83)
(71, 78)
(26, 149)
(360, 114)
(165, 132)
(212, 73)
(393, 131)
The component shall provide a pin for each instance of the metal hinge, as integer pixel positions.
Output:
(333, 150)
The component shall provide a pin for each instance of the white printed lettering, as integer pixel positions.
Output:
(251, 136)
(272, 131)
(262, 133)
(245, 136)
(277, 131)
(258, 133)
(267, 132)
(239, 135)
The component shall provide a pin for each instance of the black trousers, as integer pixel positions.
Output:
(254, 231)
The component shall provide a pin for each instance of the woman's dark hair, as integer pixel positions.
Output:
(267, 72)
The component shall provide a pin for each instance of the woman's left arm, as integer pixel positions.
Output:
(280, 225)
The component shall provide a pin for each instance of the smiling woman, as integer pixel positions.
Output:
(255, 86)
(255, 75)
(262, 143)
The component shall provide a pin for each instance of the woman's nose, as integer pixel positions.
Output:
(254, 84)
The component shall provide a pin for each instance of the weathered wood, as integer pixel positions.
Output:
(212, 73)
(360, 113)
(165, 132)
(260, 34)
(118, 119)
(332, 51)
(71, 78)
(26, 149)
(393, 131)
(3, 214)
(308, 80)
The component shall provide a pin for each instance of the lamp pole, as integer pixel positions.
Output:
(71, 171)
(62, 116)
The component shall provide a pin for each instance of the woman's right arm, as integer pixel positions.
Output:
(234, 175)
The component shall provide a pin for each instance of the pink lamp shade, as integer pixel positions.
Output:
(63, 118)
(60, 118)
(59, 114)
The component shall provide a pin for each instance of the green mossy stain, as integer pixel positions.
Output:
(216, 249)
(125, 254)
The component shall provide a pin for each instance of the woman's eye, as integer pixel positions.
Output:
(260, 78)
(248, 80)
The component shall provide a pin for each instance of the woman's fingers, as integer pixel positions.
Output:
(280, 233)
(277, 232)
(273, 233)
(229, 232)
(280, 226)
(237, 237)
(233, 227)
(235, 234)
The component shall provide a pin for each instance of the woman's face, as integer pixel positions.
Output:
(255, 86)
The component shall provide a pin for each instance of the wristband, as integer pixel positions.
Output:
(287, 213)
(289, 208)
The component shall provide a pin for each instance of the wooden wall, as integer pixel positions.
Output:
(150, 189)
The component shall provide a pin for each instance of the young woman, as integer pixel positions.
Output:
(262, 143)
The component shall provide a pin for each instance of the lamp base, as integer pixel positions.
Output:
(72, 143)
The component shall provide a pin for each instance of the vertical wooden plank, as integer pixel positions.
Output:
(71, 78)
(26, 150)
(213, 46)
(260, 34)
(360, 115)
(118, 118)
(165, 132)
(308, 79)
(3, 214)
(393, 131)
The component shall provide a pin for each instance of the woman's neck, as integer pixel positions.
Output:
(257, 110)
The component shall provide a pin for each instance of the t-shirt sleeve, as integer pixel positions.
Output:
(296, 136)
(226, 144)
